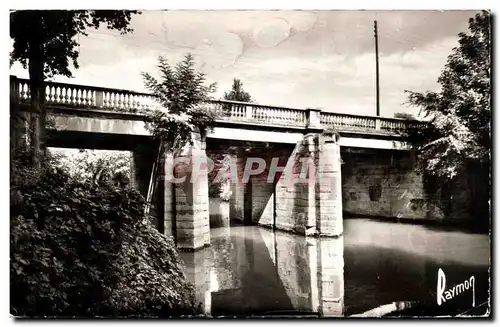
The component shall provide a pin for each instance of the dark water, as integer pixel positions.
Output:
(253, 270)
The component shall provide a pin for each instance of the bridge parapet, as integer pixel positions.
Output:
(63, 95)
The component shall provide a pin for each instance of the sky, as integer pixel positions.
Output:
(299, 59)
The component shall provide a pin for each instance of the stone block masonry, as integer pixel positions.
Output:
(383, 184)
(186, 202)
(308, 201)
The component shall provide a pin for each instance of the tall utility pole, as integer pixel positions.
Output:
(376, 68)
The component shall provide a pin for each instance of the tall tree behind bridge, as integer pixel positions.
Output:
(45, 43)
(458, 143)
(237, 93)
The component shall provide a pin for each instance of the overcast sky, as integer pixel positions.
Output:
(289, 58)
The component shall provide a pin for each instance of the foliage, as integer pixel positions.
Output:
(183, 95)
(237, 93)
(460, 113)
(456, 147)
(45, 43)
(54, 32)
(220, 187)
(81, 250)
(151, 278)
(96, 167)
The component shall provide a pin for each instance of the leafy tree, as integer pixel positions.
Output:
(45, 43)
(183, 95)
(237, 93)
(457, 144)
(85, 251)
(96, 167)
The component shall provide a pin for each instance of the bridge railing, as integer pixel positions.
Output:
(82, 96)
(234, 111)
(91, 97)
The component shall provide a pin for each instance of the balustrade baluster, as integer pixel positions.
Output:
(108, 100)
(71, 92)
(61, 92)
(133, 99)
(81, 97)
(57, 91)
(90, 98)
(120, 101)
(117, 104)
(129, 101)
(70, 95)
(139, 100)
(52, 96)
(112, 96)
(114, 100)
(55, 96)
(126, 99)
(77, 97)
(48, 94)
(26, 91)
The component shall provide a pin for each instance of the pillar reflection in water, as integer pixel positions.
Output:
(331, 276)
(310, 269)
(198, 271)
(253, 270)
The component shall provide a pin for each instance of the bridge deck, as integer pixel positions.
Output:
(92, 101)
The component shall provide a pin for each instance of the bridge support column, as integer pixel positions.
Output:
(191, 196)
(169, 197)
(329, 186)
(236, 210)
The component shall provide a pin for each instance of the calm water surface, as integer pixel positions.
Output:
(253, 270)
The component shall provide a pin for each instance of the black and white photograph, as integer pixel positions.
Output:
(194, 164)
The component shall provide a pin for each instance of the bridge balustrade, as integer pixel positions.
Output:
(92, 97)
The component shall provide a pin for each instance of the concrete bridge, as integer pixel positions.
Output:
(368, 169)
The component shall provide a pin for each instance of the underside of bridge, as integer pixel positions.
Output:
(304, 187)
(281, 194)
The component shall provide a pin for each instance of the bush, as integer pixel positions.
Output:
(82, 250)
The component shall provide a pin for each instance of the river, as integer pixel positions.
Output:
(250, 270)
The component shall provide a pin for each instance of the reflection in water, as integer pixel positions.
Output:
(253, 270)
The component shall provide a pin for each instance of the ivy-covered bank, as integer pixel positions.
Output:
(81, 248)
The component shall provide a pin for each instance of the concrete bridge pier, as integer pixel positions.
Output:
(329, 186)
(309, 193)
(187, 195)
